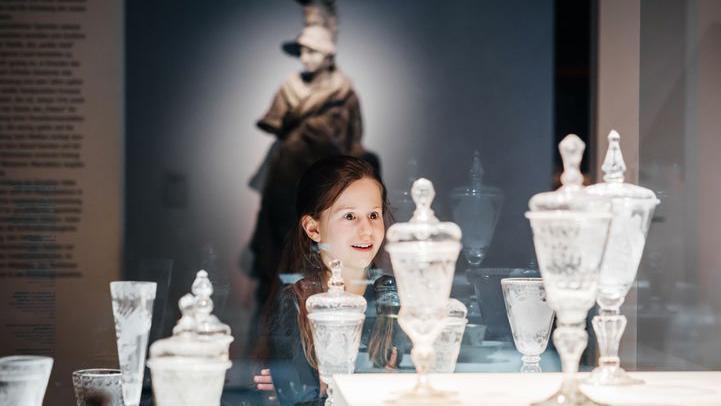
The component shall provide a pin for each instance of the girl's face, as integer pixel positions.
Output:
(352, 229)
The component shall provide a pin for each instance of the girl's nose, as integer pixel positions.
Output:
(365, 227)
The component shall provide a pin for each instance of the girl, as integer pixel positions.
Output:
(341, 210)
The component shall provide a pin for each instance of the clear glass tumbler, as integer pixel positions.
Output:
(24, 379)
(98, 387)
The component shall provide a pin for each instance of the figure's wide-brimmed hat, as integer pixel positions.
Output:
(314, 37)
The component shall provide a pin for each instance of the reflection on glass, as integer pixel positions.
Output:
(23, 379)
(98, 387)
(632, 208)
(336, 320)
(133, 312)
(570, 229)
(530, 317)
(476, 208)
(424, 253)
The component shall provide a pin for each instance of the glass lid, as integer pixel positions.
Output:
(571, 196)
(475, 186)
(614, 167)
(198, 333)
(336, 299)
(424, 225)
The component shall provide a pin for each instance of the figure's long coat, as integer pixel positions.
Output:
(311, 120)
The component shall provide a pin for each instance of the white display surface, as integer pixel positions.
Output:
(661, 388)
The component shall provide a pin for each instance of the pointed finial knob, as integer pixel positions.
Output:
(476, 172)
(335, 284)
(201, 285)
(202, 289)
(613, 165)
(423, 194)
(571, 148)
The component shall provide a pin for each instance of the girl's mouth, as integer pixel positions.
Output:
(363, 247)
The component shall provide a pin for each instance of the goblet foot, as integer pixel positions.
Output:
(531, 364)
(568, 395)
(612, 376)
(425, 395)
(532, 368)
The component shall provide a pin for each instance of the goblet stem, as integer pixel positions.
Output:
(531, 364)
(609, 329)
(422, 356)
(570, 340)
(609, 326)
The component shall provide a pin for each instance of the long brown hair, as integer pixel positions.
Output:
(318, 189)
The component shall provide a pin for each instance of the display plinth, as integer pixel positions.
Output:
(505, 389)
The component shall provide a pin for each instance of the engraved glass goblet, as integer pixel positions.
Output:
(570, 231)
(530, 318)
(336, 321)
(423, 252)
(632, 208)
(133, 313)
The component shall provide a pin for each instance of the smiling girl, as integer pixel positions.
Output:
(341, 208)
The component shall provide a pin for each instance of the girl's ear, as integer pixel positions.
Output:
(310, 226)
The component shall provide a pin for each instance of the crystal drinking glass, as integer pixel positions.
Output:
(98, 387)
(570, 230)
(530, 318)
(632, 208)
(423, 252)
(133, 312)
(24, 379)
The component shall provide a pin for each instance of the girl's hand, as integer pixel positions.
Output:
(393, 359)
(264, 381)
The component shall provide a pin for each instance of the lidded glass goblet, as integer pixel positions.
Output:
(570, 230)
(336, 320)
(632, 208)
(476, 208)
(189, 367)
(423, 252)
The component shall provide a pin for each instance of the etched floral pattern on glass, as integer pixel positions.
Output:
(530, 318)
(98, 387)
(133, 312)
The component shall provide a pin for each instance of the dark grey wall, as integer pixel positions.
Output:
(436, 79)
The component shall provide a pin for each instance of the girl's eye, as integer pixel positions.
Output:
(374, 215)
(349, 216)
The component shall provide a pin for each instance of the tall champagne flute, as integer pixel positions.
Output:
(133, 313)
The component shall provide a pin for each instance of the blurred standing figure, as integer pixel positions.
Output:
(315, 114)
